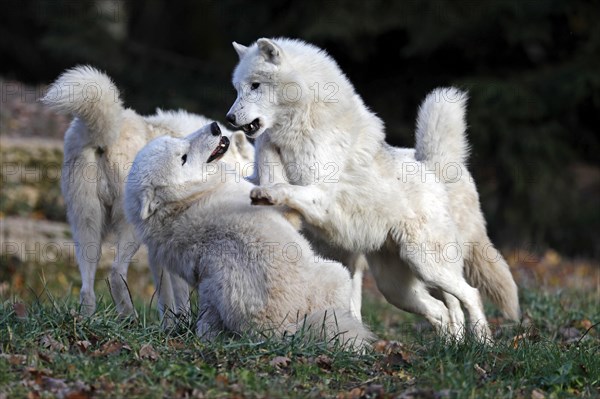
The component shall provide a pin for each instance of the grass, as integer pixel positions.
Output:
(47, 350)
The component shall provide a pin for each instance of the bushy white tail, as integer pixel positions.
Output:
(490, 274)
(91, 96)
(440, 136)
(331, 325)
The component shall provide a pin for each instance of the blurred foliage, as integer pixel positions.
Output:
(531, 67)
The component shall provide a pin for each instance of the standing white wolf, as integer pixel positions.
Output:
(415, 213)
(100, 146)
(253, 270)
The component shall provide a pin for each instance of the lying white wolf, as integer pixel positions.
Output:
(253, 270)
(100, 146)
(415, 213)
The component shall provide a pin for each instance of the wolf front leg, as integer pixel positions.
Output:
(312, 202)
(210, 324)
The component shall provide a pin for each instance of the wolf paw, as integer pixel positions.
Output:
(88, 303)
(266, 196)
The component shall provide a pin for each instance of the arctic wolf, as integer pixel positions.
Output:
(414, 212)
(252, 269)
(100, 146)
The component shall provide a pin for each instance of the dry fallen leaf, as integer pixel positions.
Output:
(47, 357)
(280, 361)
(532, 335)
(79, 390)
(356, 393)
(380, 346)
(78, 395)
(147, 352)
(537, 394)
(586, 324)
(323, 361)
(49, 342)
(111, 348)
(222, 381)
(395, 357)
(13, 360)
(176, 343)
(83, 345)
(33, 395)
(38, 374)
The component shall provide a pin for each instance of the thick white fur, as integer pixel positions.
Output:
(416, 214)
(100, 146)
(253, 270)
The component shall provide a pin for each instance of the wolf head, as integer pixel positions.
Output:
(276, 80)
(171, 170)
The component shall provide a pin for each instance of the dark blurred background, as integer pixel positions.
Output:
(532, 69)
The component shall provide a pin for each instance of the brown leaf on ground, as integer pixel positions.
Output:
(395, 357)
(323, 361)
(532, 336)
(47, 357)
(49, 342)
(176, 344)
(354, 393)
(78, 395)
(38, 374)
(392, 347)
(83, 346)
(33, 395)
(111, 348)
(13, 360)
(20, 310)
(222, 381)
(79, 390)
(280, 361)
(537, 394)
(147, 352)
(586, 324)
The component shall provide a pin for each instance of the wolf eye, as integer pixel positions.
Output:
(183, 159)
(254, 86)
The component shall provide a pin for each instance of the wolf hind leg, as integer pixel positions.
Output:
(87, 234)
(127, 247)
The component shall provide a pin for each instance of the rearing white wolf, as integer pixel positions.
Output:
(415, 213)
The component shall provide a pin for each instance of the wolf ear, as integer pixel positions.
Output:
(269, 50)
(240, 49)
(150, 204)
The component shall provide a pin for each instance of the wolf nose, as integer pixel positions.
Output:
(215, 130)
(231, 118)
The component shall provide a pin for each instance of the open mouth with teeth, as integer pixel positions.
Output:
(219, 151)
(251, 127)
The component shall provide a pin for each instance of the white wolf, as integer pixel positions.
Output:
(100, 146)
(415, 213)
(251, 267)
